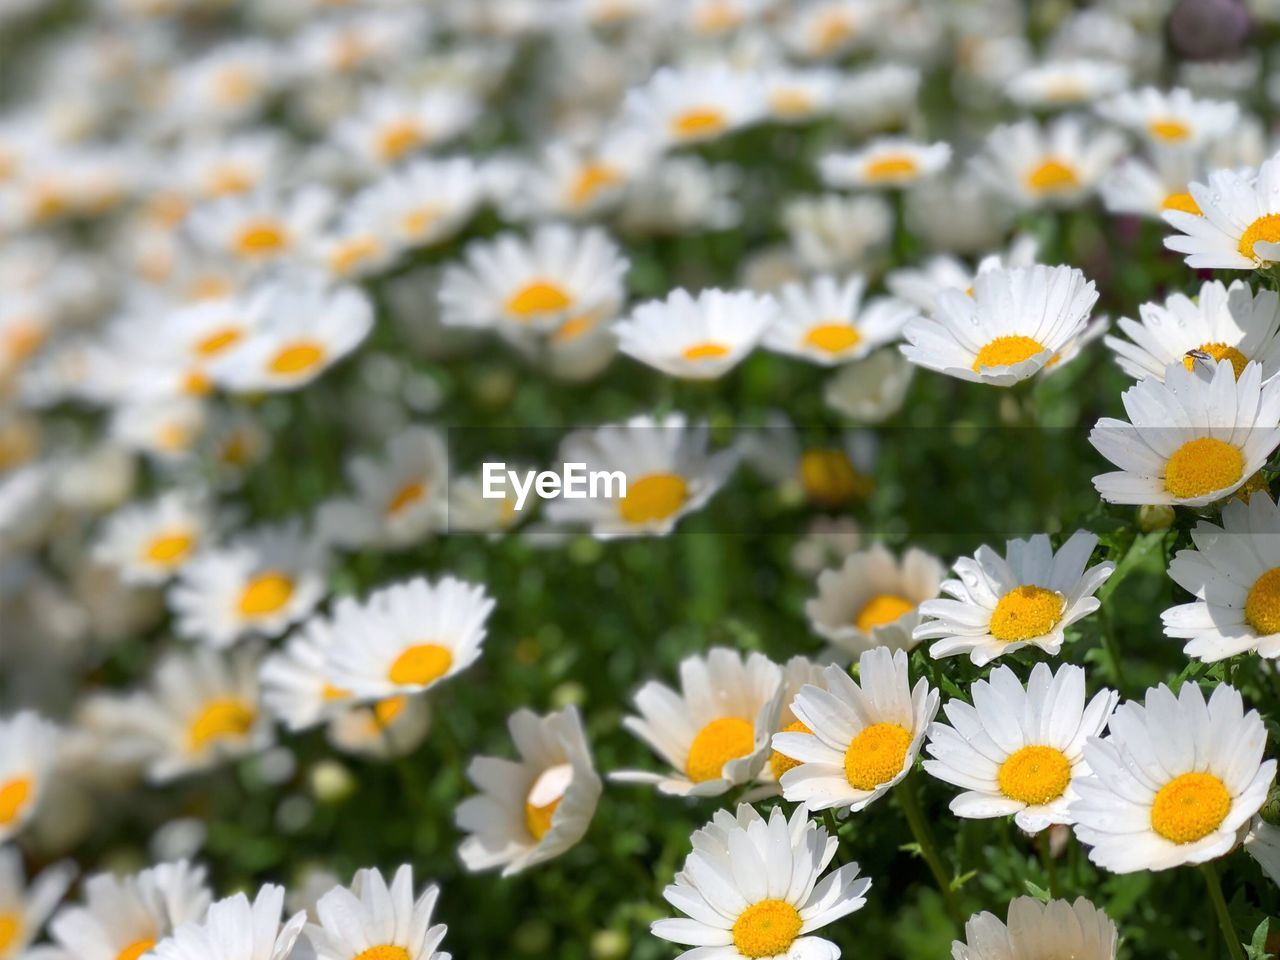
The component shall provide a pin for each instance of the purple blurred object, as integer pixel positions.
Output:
(1208, 29)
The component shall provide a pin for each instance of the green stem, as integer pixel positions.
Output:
(833, 830)
(1112, 648)
(1234, 950)
(920, 830)
(1050, 868)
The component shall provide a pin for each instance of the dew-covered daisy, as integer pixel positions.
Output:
(1191, 440)
(29, 749)
(24, 907)
(389, 126)
(533, 809)
(696, 337)
(537, 283)
(1057, 928)
(237, 929)
(885, 162)
(147, 543)
(824, 320)
(1010, 328)
(1066, 83)
(1238, 223)
(714, 732)
(1175, 781)
(754, 888)
(1017, 751)
(1233, 572)
(1172, 119)
(873, 599)
(1028, 597)
(669, 473)
(408, 637)
(262, 227)
(374, 919)
(256, 585)
(1058, 164)
(864, 735)
(124, 917)
(696, 104)
(397, 500)
(1224, 323)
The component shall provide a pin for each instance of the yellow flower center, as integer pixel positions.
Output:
(653, 497)
(229, 181)
(1182, 201)
(168, 549)
(780, 763)
(892, 167)
(1035, 775)
(23, 339)
(574, 327)
(397, 139)
(832, 30)
(538, 297)
(1006, 351)
(386, 711)
(702, 122)
(791, 103)
(384, 951)
(833, 337)
(1025, 613)
(1262, 606)
(591, 179)
(707, 350)
(261, 238)
(421, 664)
(265, 594)
(330, 692)
(544, 797)
(1201, 466)
(234, 85)
(196, 383)
(417, 222)
(876, 755)
(881, 609)
(1169, 130)
(1220, 351)
(1052, 176)
(766, 929)
(298, 357)
(537, 820)
(717, 18)
(830, 479)
(1190, 807)
(10, 931)
(406, 496)
(136, 949)
(353, 252)
(225, 718)
(716, 744)
(1265, 228)
(14, 796)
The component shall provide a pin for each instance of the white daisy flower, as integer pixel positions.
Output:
(696, 104)
(1176, 781)
(864, 737)
(873, 599)
(872, 390)
(921, 285)
(1028, 597)
(696, 338)
(1066, 83)
(389, 126)
(1058, 928)
(825, 321)
(1234, 574)
(797, 672)
(755, 888)
(123, 918)
(576, 180)
(227, 85)
(1238, 226)
(1059, 164)
(166, 428)
(715, 732)
(1014, 324)
(885, 162)
(261, 227)
(209, 168)
(1173, 118)
(235, 929)
(1225, 323)
(1263, 844)
(386, 730)
(668, 470)
(378, 921)
(29, 749)
(295, 679)
(256, 585)
(24, 907)
(147, 543)
(1147, 188)
(826, 29)
(532, 809)
(1193, 439)
(834, 232)
(408, 637)
(1017, 751)
(422, 203)
(800, 96)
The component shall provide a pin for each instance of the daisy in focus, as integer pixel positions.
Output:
(377, 919)
(826, 321)
(1057, 928)
(1238, 224)
(696, 338)
(237, 929)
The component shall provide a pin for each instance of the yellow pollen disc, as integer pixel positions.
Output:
(538, 297)
(229, 181)
(1190, 807)
(708, 350)
(876, 755)
(386, 711)
(832, 31)
(1264, 228)
(197, 384)
(704, 122)
(222, 719)
(1035, 775)
(349, 255)
(1255, 484)
(421, 664)
(881, 609)
(716, 744)
(829, 479)
(1169, 130)
(1220, 351)
(766, 929)
(10, 930)
(892, 167)
(718, 17)
(537, 820)
(833, 337)
(1262, 606)
(330, 692)
(265, 594)
(1182, 201)
(168, 549)
(397, 139)
(573, 328)
(591, 179)
(298, 357)
(1052, 176)
(23, 339)
(417, 222)
(407, 495)
(1006, 351)
(260, 239)
(653, 497)
(780, 763)
(136, 949)
(384, 952)
(14, 796)
(1201, 466)
(1025, 613)
(234, 86)
(791, 103)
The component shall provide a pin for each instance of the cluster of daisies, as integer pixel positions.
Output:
(246, 245)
